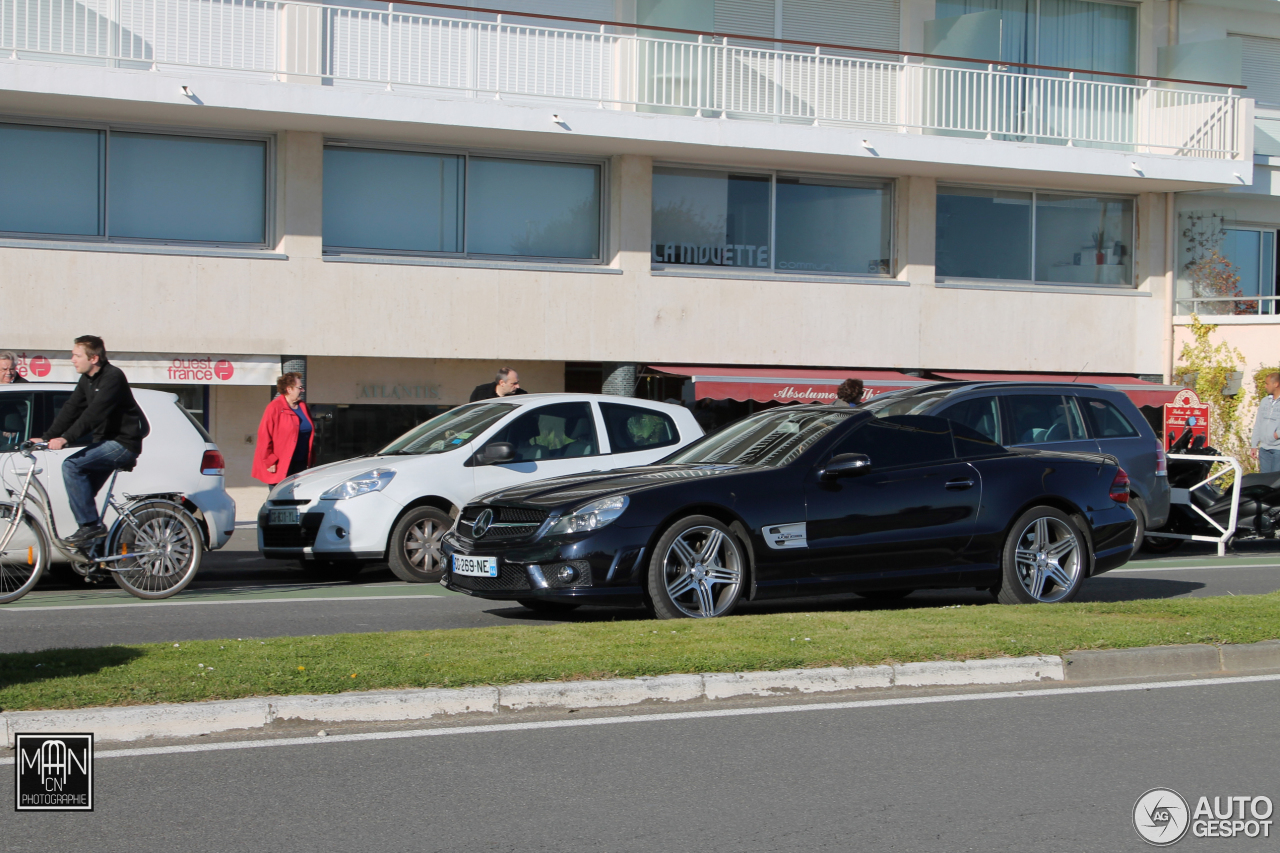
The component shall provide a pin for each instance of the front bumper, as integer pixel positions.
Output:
(354, 529)
(607, 567)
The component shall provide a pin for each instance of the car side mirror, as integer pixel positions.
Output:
(845, 465)
(497, 453)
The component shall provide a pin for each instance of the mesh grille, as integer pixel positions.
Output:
(521, 516)
(583, 578)
(510, 577)
(528, 521)
(288, 537)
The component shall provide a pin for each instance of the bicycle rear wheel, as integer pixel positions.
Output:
(26, 555)
(164, 550)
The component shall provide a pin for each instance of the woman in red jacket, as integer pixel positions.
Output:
(286, 435)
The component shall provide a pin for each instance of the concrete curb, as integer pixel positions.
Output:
(201, 718)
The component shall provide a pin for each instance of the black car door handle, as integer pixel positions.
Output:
(959, 485)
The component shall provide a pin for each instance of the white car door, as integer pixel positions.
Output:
(550, 441)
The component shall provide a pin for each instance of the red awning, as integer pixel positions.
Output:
(785, 384)
(1140, 392)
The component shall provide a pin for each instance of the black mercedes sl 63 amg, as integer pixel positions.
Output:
(801, 501)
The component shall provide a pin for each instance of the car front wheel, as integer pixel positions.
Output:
(698, 570)
(1044, 558)
(414, 554)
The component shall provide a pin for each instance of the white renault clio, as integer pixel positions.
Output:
(396, 504)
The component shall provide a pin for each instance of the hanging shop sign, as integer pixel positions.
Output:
(1185, 413)
(159, 368)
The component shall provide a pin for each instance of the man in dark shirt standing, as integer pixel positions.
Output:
(102, 404)
(506, 383)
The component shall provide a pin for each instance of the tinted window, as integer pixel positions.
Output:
(15, 420)
(901, 440)
(981, 415)
(562, 431)
(904, 404)
(971, 442)
(771, 439)
(1106, 420)
(633, 428)
(1040, 418)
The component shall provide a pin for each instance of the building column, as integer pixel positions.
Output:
(916, 230)
(300, 194)
(631, 223)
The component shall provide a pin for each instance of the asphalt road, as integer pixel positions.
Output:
(239, 594)
(1049, 770)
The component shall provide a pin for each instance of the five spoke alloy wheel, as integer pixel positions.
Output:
(415, 555)
(1044, 558)
(698, 570)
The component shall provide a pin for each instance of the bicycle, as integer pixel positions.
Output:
(152, 549)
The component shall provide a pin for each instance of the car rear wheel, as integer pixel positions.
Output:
(1044, 558)
(698, 570)
(414, 554)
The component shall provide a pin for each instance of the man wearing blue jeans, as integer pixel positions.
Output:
(102, 404)
(1266, 428)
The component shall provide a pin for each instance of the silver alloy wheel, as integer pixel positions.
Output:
(422, 545)
(703, 571)
(1048, 559)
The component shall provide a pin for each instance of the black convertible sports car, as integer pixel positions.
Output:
(801, 501)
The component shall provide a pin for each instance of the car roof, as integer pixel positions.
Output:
(569, 397)
(957, 386)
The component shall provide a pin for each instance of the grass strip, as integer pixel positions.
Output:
(236, 668)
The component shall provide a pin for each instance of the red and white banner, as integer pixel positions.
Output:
(149, 368)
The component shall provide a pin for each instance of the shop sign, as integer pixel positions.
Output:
(379, 391)
(1186, 412)
(726, 255)
(160, 368)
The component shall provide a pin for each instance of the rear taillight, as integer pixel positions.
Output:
(1120, 487)
(1162, 461)
(213, 464)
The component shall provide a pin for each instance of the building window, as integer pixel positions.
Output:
(113, 185)
(382, 200)
(1048, 238)
(771, 222)
(1225, 268)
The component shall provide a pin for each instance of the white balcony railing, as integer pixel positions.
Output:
(612, 69)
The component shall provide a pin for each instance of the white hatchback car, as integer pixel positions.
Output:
(178, 457)
(396, 504)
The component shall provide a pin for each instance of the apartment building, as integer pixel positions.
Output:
(400, 197)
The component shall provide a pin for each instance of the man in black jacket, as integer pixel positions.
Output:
(506, 383)
(102, 404)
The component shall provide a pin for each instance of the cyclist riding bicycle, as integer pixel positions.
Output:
(103, 404)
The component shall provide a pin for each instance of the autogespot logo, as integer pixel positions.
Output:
(1161, 817)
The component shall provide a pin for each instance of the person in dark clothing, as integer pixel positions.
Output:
(9, 369)
(505, 384)
(101, 404)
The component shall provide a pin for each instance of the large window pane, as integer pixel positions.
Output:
(1091, 36)
(984, 234)
(710, 218)
(533, 209)
(1084, 240)
(187, 188)
(827, 226)
(50, 180)
(397, 200)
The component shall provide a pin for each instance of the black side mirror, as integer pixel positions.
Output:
(497, 453)
(845, 465)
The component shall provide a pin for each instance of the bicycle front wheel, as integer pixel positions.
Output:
(25, 554)
(162, 548)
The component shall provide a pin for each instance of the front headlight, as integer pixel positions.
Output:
(593, 516)
(370, 481)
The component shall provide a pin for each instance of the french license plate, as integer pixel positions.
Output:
(282, 516)
(480, 567)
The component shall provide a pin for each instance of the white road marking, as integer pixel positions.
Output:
(188, 602)
(1191, 568)
(678, 715)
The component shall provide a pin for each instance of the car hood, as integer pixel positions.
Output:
(579, 488)
(313, 482)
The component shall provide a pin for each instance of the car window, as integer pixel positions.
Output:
(901, 440)
(633, 428)
(982, 415)
(559, 431)
(971, 443)
(54, 401)
(1042, 418)
(448, 431)
(1106, 420)
(770, 439)
(906, 404)
(15, 420)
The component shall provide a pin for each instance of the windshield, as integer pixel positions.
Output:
(911, 404)
(770, 439)
(448, 431)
